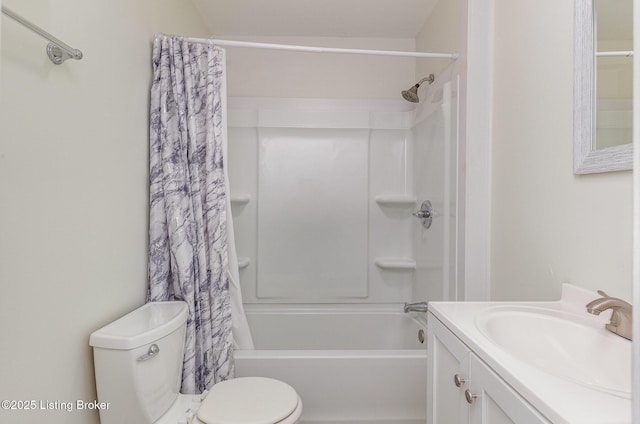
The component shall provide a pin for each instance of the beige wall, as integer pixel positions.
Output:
(273, 73)
(73, 171)
(440, 34)
(73, 189)
(549, 226)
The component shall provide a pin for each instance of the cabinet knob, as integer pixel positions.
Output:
(470, 396)
(458, 381)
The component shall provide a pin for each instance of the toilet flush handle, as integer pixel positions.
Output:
(153, 351)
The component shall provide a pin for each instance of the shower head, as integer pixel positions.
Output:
(411, 95)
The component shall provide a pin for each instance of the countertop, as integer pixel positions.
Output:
(560, 400)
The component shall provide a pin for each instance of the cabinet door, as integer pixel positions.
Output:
(493, 401)
(448, 358)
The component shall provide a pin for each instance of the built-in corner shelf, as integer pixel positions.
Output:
(243, 262)
(399, 264)
(399, 200)
(241, 198)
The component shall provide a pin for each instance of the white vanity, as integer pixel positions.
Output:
(526, 362)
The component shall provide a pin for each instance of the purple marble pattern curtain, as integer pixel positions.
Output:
(187, 226)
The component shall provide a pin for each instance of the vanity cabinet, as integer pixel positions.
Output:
(494, 401)
(447, 376)
(462, 389)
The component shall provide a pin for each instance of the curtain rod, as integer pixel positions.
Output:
(309, 49)
(57, 51)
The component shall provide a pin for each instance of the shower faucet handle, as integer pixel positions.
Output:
(425, 214)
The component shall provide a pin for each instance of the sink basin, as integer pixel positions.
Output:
(561, 344)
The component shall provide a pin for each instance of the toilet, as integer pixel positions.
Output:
(138, 366)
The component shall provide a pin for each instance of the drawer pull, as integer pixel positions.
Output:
(458, 381)
(470, 396)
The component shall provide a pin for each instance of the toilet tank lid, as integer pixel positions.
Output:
(144, 325)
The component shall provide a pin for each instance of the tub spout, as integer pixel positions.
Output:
(416, 307)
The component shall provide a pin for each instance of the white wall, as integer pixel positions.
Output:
(74, 189)
(549, 226)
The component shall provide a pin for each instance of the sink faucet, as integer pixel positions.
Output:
(416, 307)
(620, 323)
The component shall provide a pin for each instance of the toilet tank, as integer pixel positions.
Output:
(138, 362)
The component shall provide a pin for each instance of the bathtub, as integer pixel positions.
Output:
(348, 364)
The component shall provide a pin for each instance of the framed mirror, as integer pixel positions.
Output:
(603, 85)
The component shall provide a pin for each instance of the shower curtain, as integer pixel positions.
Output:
(191, 248)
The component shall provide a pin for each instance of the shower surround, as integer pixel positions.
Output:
(323, 195)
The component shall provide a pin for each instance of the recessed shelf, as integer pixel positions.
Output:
(404, 200)
(240, 198)
(243, 262)
(396, 263)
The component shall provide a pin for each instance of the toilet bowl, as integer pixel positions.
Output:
(250, 400)
(138, 365)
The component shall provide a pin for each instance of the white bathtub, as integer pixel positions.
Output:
(349, 365)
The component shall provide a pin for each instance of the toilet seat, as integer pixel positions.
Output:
(250, 400)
